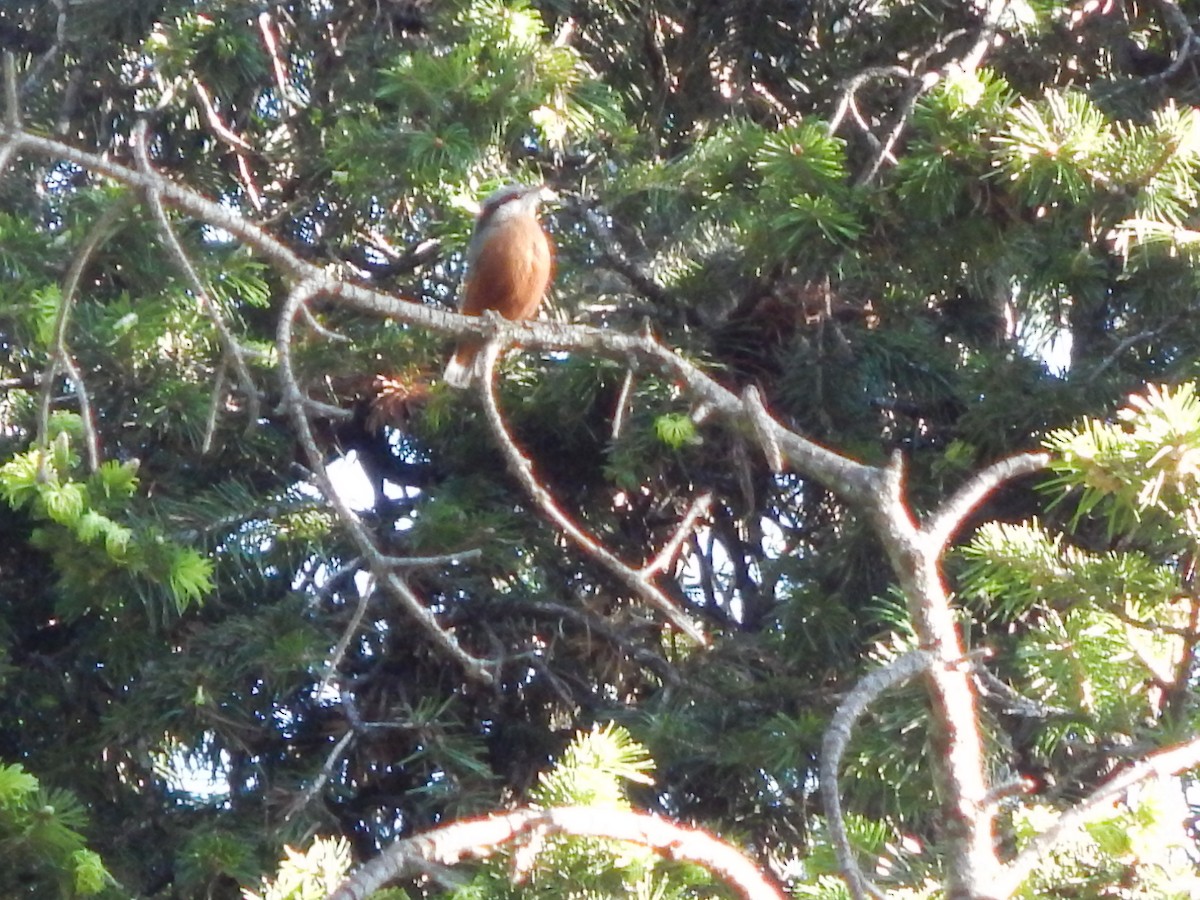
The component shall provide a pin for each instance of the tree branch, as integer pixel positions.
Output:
(294, 402)
(614, 253)
(229, 343)
(951, 514)
(521, 468)
(833, 747)
(1163, 764)
(699, 508)
(60, 357)
(480, 838)
(60, 35)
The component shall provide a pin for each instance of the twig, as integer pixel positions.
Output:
(622, 405)
(235, 142)
(851, 88)
(833, 747)
(1163, 764)
(327, 410)
(328, 333)
(699, 508)
(214, 408)
(917, 87)
(521, 469)
(641, 281)
(226, 134)
(101, 231)
(1188, 42)
(294, 402)
(481, 838)
(598, 626)
(987, 34)
(323, 775)
(229, 344)
(1124, 344)
(60, 35)
(12, 106)
(278, 67)
(441, 559)
(1016, 704)
(91, 439)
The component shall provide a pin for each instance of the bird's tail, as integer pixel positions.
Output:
(464, 367)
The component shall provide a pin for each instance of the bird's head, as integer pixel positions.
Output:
(513, 200)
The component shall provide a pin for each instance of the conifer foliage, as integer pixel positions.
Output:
(843, 505)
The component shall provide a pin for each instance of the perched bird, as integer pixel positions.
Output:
(509, 265)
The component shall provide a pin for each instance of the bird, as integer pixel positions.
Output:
(510, 263)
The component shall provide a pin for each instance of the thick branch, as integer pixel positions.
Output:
(480, 838)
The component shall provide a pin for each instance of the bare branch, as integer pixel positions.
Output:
(852, 86)
(917, 86)
(328, 333)
(294, 401)
(90, 439)
(1189, 42)
(833, 747)
(267, 28)
(1124, 344)
(214, 408)
(235, 142)
(12, 108)
(229, 343)
(699, 508)
(323, 776)
(60, 35)
(762, 428)
(1164, 764)
(987, 35)
(441, 559)
(226, 134)
(101, 231)
(521, 469)
(596, 625)
(615, 254)
(950, 515)
(480, 838)
(622, 409)
(1015, 703)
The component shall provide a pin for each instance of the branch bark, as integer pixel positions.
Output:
(480, 838)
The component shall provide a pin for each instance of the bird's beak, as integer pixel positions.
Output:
(546, 195)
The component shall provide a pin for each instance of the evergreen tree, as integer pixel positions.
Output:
(937, 234)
